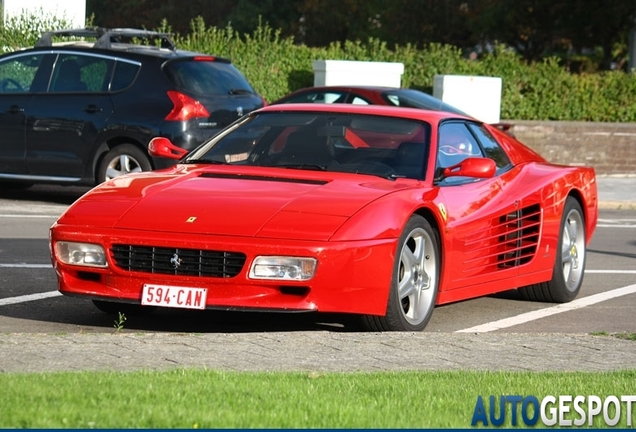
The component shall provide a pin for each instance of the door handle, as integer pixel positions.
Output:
(15, 109)
(92, 109)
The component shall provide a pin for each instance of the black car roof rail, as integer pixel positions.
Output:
(106, 36)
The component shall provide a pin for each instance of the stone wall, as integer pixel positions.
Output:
(609, 147)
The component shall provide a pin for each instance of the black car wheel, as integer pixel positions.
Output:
(569, 264)
(123, 159)
(415, 281)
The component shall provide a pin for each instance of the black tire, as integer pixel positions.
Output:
(415, 281)
(114, 308)
(123, 159)
(569, 263)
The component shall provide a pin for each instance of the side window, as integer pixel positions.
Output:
(320, 97)
(359, 101)
(18, 73)
(67, 75)
(491, 147)
(96, 72)
(124, 75)
(455, 143)
(80, 73)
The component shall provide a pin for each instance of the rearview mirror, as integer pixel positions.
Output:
(163, 147)
(472, 167)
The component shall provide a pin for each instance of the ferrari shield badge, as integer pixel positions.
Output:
(191, 219)
(442, 211)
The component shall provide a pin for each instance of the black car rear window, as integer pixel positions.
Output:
(207, 77)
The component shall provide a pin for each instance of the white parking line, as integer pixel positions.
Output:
(542, 313)
(23, 265)
(610, 271)
(29, 297)
(29, 216)
(614, 226)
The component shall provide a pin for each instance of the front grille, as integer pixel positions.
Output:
(177, 261)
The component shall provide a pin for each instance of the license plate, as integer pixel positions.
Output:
(174, 296)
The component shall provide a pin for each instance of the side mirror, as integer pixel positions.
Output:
(477, 167)
(163, 147)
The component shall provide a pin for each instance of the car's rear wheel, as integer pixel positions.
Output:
(415, 281)
(123, 159)
(569, 265)
(115, 308)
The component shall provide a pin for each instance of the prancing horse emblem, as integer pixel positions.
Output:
(239, 111)
(175, 261)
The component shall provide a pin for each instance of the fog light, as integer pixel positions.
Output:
(80, 254)
(283, 268)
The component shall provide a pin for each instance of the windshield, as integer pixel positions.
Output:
(376, 145)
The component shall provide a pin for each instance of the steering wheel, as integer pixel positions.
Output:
(10, 84)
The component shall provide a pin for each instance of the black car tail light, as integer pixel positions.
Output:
(185, 107)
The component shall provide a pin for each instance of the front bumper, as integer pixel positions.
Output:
(351, 277)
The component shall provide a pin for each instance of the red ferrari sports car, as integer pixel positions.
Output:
(378, 212)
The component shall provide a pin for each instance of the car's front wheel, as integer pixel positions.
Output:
(123, 159)
(569, 265)
(415, 281)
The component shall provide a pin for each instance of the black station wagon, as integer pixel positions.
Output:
(80, 113)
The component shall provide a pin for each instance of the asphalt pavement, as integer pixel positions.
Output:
(617, 192)
(328, 351)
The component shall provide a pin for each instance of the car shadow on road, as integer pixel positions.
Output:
(44, 193)
(71, 314)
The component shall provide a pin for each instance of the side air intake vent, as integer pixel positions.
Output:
(520, 236)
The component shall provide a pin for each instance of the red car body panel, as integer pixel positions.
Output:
(349, 222)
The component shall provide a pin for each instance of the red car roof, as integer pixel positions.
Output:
(411, 113)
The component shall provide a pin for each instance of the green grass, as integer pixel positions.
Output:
(621, 335)
(189, 398)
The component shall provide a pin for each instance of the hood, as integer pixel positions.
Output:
(251, 204)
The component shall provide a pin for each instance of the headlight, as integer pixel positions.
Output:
(80, 254)
(283, 268)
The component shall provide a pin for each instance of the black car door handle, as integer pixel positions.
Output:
(14, 109)
(91, 109)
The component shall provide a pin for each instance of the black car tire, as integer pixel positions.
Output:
(123, 159)
(569, 263)
(415, 281)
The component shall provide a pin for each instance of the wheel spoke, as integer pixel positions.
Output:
(406, 286)
(414, 278)
(112, 172)
(566, 256)
(124, 164)
(572, 230)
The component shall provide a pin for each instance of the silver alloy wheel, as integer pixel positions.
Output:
(122, 164)
(417, 276)
(573, 250)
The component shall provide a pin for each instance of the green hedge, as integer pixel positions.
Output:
(539, 91)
